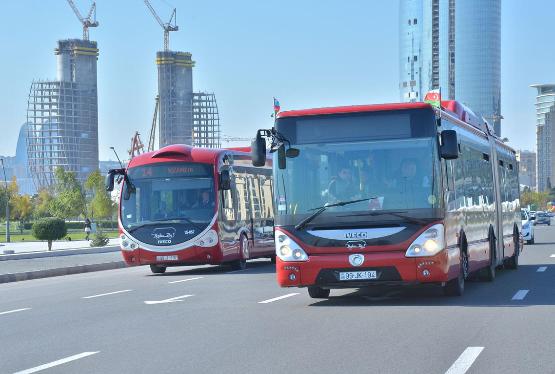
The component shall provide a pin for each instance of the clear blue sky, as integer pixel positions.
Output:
(307, 53)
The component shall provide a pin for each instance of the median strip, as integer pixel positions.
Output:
(14, 311)
(520, 295)
(465, 360)
(541, 269)
(106, 294)
(56, 363)
(185, 280)
(277, 298)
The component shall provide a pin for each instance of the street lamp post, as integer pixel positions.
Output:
(7, 203)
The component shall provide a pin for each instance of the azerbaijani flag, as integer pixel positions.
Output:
(433, 98)
(277, 108)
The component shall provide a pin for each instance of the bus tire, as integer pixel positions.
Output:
(273, 259)
(489, 271)
(455, 287)
(512, 262)
(157, 269)
(531, 241)
(241, 263)
(318, 292)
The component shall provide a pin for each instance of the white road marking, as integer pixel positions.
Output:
(541, 269)
(185, 280)
(465, 360)
(14, 311)
(172, 300)
(552, 255)
(277, 298)
(106, 294)
(521, 294)
(57, 363)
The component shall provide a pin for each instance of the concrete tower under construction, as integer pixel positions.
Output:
(175, 89)
(62, 115)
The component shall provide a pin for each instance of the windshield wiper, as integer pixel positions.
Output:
(321, 209)
(157, 221)
(395, 213)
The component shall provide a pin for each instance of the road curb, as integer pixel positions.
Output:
(59, 252)
(37, 274)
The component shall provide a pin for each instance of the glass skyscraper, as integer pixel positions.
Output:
(545, 122)
(455, 46)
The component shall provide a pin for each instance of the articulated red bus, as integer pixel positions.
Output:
(182, 205)
(393, 194)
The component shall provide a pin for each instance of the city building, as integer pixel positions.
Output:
(206, 121)
(62, 115)
(17, 166)
(545, 134)
(527, 168)
(454, 46)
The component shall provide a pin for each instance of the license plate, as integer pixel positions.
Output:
(166, 258)
(356, 275)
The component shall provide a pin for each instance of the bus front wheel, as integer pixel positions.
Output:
(318, 292)
(455, 287)
(157, 269)
(241, 263)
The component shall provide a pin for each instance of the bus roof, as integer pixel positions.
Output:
(352, 109)
(185, 153)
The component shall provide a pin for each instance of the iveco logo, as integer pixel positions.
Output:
(356, 235)
(356, 260)
(356, 244)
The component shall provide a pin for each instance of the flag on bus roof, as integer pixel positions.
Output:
(433, 98)
(277, 108)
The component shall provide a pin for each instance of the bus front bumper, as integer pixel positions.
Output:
(391, 268)
(188, 256)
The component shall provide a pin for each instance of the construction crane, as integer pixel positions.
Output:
(137, 146)
(229, 139)
(152, 137)
(90, 21)
(168, 26)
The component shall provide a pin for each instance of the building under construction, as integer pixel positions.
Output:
(206, 121)
(62, 115)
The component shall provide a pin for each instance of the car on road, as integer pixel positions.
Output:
(527, 227)
(542, 219)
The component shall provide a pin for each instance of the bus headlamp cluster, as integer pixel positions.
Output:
(127, 244)
(429, 243)
(287, 249)
(209, 239)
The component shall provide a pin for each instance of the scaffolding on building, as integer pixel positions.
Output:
(206, 121)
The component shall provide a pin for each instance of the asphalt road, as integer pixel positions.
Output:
(211, 320)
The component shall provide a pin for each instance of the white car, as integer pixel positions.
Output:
(527, 227)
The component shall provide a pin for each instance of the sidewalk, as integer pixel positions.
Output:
(42, 246)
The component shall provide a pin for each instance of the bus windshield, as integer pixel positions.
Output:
(180, 194)
(388, 175)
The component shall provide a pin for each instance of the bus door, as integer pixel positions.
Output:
(497, 192)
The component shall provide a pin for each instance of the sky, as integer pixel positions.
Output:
(308, 53)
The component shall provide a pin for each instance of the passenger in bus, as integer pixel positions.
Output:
(412, 186)
(343, 187)
(204, 202)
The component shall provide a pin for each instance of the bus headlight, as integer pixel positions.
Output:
(127, 244)
(429, 243)
(287, 249)
(209, 239)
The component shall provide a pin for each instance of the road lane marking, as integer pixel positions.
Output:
(185, 280)
(552, 255)
(277, 298)
(465, 360)
(172, 300)
(541, 269)
(521, 294)
(106, 294)
(57, 363)
(14, 311)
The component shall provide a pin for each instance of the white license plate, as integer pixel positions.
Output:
(166, 258)
(356, 275)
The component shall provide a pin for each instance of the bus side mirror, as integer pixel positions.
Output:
(109, 182)
(225, 180)
(282, 161)
(449, 149)
(258, 151)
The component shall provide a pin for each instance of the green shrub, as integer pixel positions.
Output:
(49, 229)
(99, 239)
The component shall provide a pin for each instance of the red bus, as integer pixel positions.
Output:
(394, 194)
(182, 205)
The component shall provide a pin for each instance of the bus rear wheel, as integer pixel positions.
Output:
(489, 271)
(157, 269)
(512, 262)
(241, 263)
(318, 292)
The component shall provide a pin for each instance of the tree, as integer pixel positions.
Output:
(42, 203)
(69, 200)
(10, 194)
(538, 199)
(22, 210)
(49, 229)
(100, 206)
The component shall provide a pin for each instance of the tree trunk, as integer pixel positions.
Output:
(50, 245)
